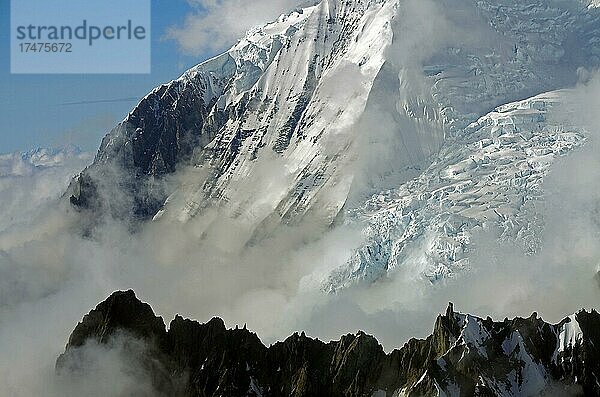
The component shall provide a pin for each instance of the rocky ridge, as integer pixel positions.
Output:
(465, 355)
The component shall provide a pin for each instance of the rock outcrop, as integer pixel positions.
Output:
(464, 356)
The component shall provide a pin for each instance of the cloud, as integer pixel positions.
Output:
(213, 25)
(119, 366)
(31, 181)
(51, 275)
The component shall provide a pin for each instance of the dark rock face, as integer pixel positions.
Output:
(464, 355)
(122, 310)
(161, 133)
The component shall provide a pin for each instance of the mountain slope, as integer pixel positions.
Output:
(465, 355)
(307, 95)
(377, 109)
(272, 95)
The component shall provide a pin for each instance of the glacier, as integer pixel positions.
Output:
(490, 176)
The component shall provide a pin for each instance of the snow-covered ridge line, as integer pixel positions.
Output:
(18, 163)
(521, 341)
(221, 67)
(32, 181)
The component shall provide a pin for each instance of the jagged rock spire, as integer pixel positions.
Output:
(462, 350)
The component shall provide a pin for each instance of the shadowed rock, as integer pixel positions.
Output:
(464, 355)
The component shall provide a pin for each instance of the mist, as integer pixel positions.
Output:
(212, 25)
(51, 275)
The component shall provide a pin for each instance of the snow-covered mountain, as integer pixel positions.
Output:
(26, 163)
(421, 119)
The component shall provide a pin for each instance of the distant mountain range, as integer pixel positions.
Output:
(29, 181)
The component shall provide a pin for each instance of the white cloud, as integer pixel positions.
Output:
(213, 25)
(50, 276)
(30, 181)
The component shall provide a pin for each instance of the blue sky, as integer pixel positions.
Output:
(38, 110)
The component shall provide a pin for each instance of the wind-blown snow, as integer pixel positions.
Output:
(569, 334)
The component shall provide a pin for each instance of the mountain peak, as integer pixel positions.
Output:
(343, 113)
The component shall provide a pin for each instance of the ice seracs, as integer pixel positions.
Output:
(490, 174)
